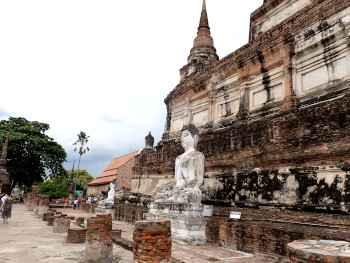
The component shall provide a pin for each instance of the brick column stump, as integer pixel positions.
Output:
(61, 225)
(76, 235)
(116, 233)
(50, 221)
(47, 215)
(79, 220)
(99, 242)
(152, 241)
(44, 203)
(322, 251)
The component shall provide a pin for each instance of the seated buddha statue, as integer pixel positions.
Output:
(189, 172)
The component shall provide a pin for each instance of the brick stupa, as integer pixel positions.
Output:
(4, 175)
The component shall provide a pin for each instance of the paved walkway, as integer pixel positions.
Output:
(28, 239)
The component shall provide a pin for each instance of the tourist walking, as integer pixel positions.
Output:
(1, 195)
(75, 203)
(65, 203)
(4, 197)
(6, 208)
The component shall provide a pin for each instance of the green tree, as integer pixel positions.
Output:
(83, 139)
(31, 152)
(53, 190)
(82, 178)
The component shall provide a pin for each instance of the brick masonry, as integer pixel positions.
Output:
(76, 235)
(124, 175)
(43, 204)
(88, 208)
(152, 241)
(116, 233)
(308, 131)
(48, 215)
(80, 220)
(50, 221)
(99, 242)
(266, 230)
(129, 213)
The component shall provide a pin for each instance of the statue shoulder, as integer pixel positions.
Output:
(197, 154)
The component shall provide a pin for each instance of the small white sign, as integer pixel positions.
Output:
(235, 215)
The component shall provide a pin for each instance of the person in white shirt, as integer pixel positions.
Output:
(4, 198)
(75, 203)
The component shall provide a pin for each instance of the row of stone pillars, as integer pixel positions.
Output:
(152, 238)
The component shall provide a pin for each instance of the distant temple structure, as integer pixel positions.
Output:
(4, 175)
(118, 171)
(273, 116)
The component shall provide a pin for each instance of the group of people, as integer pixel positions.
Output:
(5, 207)
(76, 203)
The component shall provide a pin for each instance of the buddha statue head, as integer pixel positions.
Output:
(189, 136)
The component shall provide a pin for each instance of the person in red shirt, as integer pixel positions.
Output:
(65, 203)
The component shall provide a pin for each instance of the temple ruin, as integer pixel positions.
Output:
(274, 123)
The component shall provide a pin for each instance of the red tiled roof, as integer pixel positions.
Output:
(110, 173)
(103, 180)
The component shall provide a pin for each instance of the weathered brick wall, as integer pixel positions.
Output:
(266, 230)
(88, 208)
(95, 190)
(124, 175)
(76, 235)
(302, 141)
(129, 213)
(269, 231)
(308, 136)
(152, 241)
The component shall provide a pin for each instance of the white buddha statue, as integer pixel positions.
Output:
(189, 172)
(110, 196)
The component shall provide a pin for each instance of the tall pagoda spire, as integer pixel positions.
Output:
(203, 45)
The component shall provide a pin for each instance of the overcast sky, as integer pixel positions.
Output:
(104, 67)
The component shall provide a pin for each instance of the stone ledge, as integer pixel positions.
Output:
(327, 251)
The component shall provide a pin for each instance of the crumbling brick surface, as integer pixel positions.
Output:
(99, 230)
(129, 213)
(76, 235)
(152, 241)
(269, 231)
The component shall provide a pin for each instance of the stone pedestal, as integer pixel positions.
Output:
(99, 242)
(61, 225)
(152, 241)
(188, 221)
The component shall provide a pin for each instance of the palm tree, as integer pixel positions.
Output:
(82, 140)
